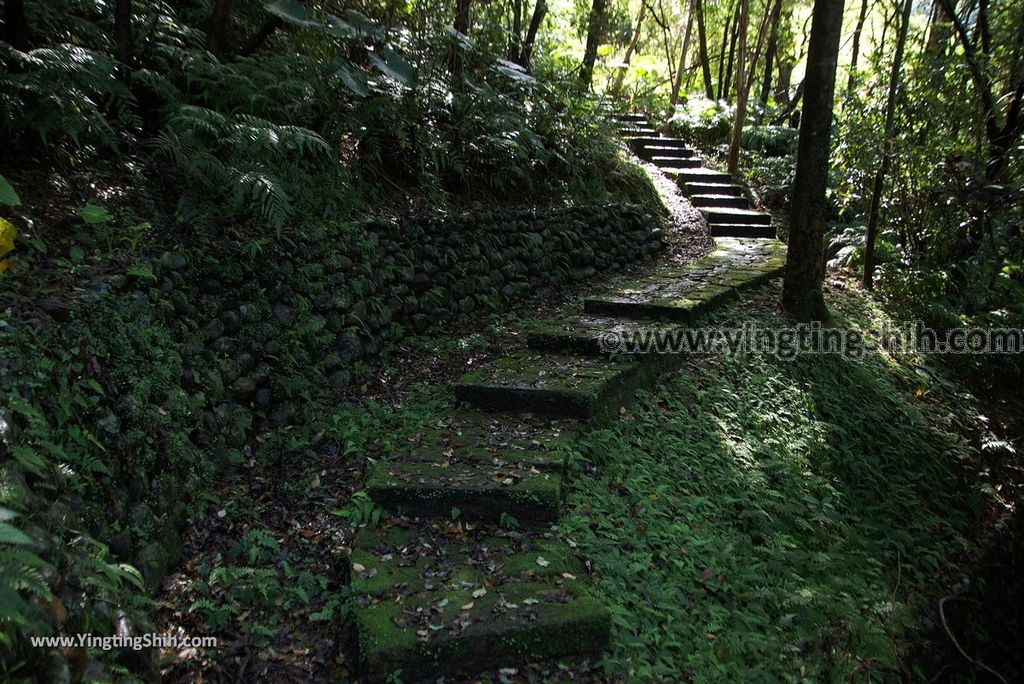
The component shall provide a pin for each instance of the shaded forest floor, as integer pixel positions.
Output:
(751, 517)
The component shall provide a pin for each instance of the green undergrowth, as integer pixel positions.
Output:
(761, 519)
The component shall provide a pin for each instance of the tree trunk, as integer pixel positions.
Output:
(220, 25)
(461, 25)
(741, 89)
(769, 57)
(617, 84)
(15, 26)
(539, 11)
(784, 57)
(940, 30)
(267, 30)
(678, 83)
(516, 36)
(123, 29)
(702, 42)
(851, 83)
(805, 265)
(727, 90)
(883, 169)
(595, 34)
(725, 69)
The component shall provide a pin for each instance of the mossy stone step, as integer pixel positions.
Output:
(630, 117)
(720, 200)
(528, 381)
(441, 596)
(744, 230)
(662, 151)
(525, 622)
(692, 189)
(478, 438)
(479, 491)
(726, 215)
(669, 164)
(588, 334)
(684, 293)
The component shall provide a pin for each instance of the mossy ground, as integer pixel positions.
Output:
(757, 519)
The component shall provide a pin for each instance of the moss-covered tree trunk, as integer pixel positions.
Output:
(805, 266)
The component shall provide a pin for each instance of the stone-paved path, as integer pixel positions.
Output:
(470, 573)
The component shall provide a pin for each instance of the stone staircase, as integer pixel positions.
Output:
(724, 203)
(469, 572)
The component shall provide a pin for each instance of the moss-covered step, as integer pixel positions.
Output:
(446, 596)
(469, 437)
(524, 622)
(481, 491)
(405, 556)
(533, 382)
(743, 230)
(591, 334)
(684, 293)
(714, 200)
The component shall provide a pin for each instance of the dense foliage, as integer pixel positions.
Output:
(224, 224)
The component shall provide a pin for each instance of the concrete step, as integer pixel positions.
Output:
(726, 215)
(646, 152)
(702, 175)
(669, 164)
(434, 598)
(630, 117)
(568, 386)
(713, 189)
(720, 200)
(637, 130)
(743, 230)
(640, 141)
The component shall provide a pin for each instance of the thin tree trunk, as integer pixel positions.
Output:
(805, 265)
(123, 29)
(702, 43)
(784, 57)
(883, 169)
(741, 89)
(516, 37)
(855, 54)
(260, 37)
(220, 25)
(595, 35)
(732, 55)
(539, 11)
(678, 83)
(462, 20)
(769, 57)
(15, 26)
(721, 57)
(617, 84)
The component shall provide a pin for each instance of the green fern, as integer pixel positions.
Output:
(240, 162)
